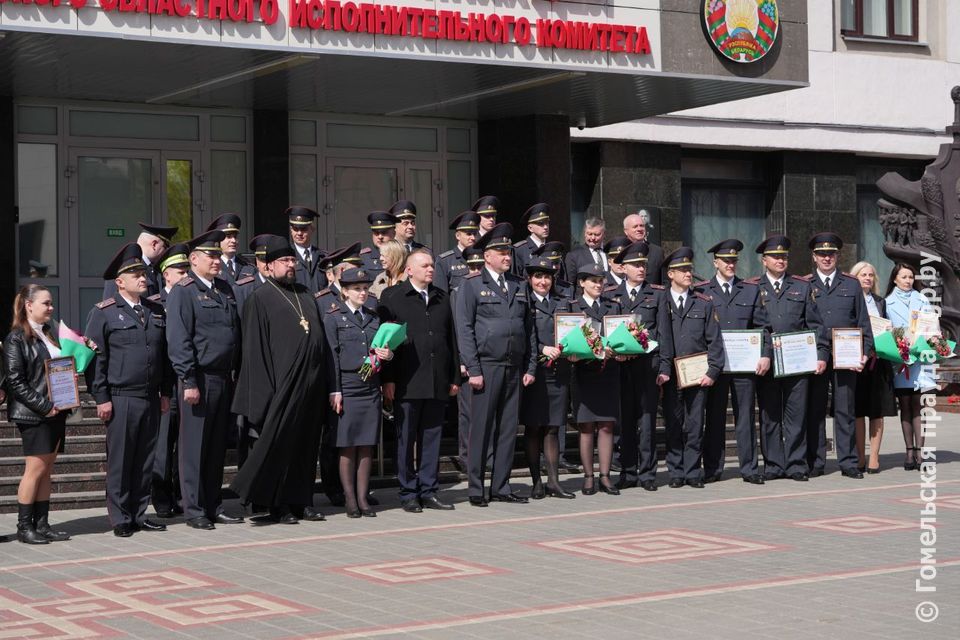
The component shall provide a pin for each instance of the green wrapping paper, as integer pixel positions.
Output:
(886, 347)
(920, 345)
(389, 335)
(623, 343)
(575, 344)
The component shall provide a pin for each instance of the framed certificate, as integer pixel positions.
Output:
(847, 348)
(611, 323)
(923, 323)
(62, 382)
(691, 369)
(741, 350)
(880, 325)
(794, 353)
(564, 323)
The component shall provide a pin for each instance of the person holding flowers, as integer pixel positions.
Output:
(355, 400)
(543, 405)
(595, 383)
(644, 375)
(910, 382)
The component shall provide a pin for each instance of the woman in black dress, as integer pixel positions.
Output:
(543, 407)
(356, 403)
(595, 384)
(32, 341)
(874, 395)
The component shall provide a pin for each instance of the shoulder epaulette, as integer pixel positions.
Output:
(446, 253)
(471, 275)
(322, 292)
(365, 250)
(806, 278)
(185, 281)
(154, 302)
(658, 287)
(154, 298)
(753, 280)
(703, 296)
(845, 274)
(513, 277)
(520, 243)
(334, 307)
(610, 287)
(245, 280)
(702, 283)
(103, 304)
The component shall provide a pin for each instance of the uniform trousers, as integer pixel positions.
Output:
(844, 385)
(203, 445)
(131, 441)
(638, 413)
(419, 427)
(745, 430)
(166, 476)
(783, 405)
(495, 412)
(463, 420)
(683, 411)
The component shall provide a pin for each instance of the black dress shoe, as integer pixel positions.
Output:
(165, 513)
(123, 530)
(851, 473)
(592, 489)
(816, 473)
(676, 483)
(203, 522)
(354, 513)
(538, 492)
(150, 525)
(754, 479)
(696, 484)
(477, 501)
(626, 483)
(648, 485)
(265, 519)
(222, 518)
(569, 467)
(177, 510)
(288, 517)
(412, 506)
(312, 515)
(710, 479)
(769, 476)
(558, 492)
(368, 513)
(433, 502)
(337, 499)
(607, 488)
(799, 476)
(508, 497)
(873, 470)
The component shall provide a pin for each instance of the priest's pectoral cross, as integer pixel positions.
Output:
(305, 324)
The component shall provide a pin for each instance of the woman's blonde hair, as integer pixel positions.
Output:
(393, 257)
(860, 266)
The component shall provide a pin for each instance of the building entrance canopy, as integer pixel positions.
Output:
(595, 63)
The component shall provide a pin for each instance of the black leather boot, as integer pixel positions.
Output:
(40, 512)
(26, 531)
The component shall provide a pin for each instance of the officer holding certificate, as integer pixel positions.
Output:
(736, 304)
(695, 331)
(841, 306)
(789, 305)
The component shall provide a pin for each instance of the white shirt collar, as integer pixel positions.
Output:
(536, 241)
(823, 277)
(419, 291)
(128, 301)
(301, 250)
(617, 279)
(493, 274)
(589, 300)
(676, 296)
(352, 308)
(146, 260)
(206, 282)
(262, 279)
(540, 298)
(722, 281)
(630, 287)
(773, 280)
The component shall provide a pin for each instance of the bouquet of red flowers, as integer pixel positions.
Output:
(594, 340)
(549, 362)
(894, 346)
(639, 331)
(941, 347)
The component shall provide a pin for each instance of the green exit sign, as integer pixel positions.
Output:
(116, 233)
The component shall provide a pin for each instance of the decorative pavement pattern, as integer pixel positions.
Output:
(786, 560)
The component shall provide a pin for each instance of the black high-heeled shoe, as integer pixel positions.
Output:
(592, 489)
(608, 488)
(912, 465)
(558, 492)
(538, 492)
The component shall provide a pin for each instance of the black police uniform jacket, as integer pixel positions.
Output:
(650, 308)
(741, 310)
(842, 306)
(696, 328)
(450, 269)
(131, 357)
(427, 363)
(794, 309)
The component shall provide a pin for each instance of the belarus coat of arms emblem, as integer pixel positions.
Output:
(742, 30)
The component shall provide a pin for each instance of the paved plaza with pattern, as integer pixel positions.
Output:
(832, 557)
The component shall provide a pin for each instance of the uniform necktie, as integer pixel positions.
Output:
(633, 295)
(502, 283)
(680, 302)
(233, 267)
(596, 307)
(726, 288)
(306, 258)
(776, 287)
(137, 309)
(359, 316)
(826, 282)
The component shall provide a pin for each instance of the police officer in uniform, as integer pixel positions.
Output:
(131, 382)
(695, 330)
(790, 306)
(153, 241)
(451, 267)
(486, 207)
(737, 305)
(554, 251)
(335, 263)
(309, 273)
(842, 306)
(203, 337)
(473, 257)
(235, 266)
(642, 377)
(498, 347)
(174, 265)
(615, 273)
(383, 229)
(537, 219)
(406, 214)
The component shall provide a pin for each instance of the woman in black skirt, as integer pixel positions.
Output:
(350, 328)
(595, 384)
(874, 395)
(32, 341)
(543, 407)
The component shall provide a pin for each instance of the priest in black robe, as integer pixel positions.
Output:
(281, 389)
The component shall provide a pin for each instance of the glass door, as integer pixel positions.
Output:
(354, 188)
(422, 186)
(181, 203)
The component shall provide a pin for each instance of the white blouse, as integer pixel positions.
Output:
(38, 330)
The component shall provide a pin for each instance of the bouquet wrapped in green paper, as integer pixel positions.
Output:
(893, 346)
(584, 344)
(941, 347)
(390, 335)
(630, 339)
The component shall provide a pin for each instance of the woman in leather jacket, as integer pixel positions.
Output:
(31, 341)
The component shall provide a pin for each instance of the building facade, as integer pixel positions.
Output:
(799, 162)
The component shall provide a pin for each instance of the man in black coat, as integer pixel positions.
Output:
(591, 250)
(420, 378)
(635, 228)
